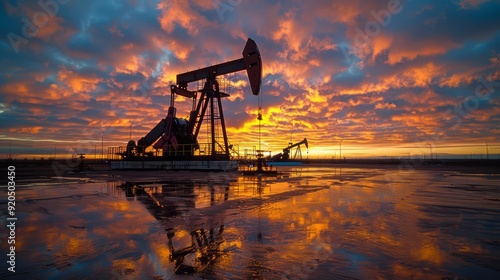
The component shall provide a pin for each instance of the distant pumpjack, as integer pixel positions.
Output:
(285, 155)
(178, 138)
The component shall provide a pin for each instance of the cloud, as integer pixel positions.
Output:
(103, 65)
(385, 106)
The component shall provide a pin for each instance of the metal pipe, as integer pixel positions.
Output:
(212, 124)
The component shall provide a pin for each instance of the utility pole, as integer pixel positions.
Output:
(102, 144)
(291, 137)
(430, 150)
(340, 156)
(487, 153)
(340, 144)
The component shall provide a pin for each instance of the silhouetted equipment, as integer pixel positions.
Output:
(285, 155)
(177, 138)
(81, 166)
(204, 243)
(169, 200)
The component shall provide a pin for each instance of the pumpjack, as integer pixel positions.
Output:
(177, 138)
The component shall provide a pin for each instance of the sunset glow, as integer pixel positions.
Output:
(382, 78)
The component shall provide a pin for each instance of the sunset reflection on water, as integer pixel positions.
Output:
(308, 222)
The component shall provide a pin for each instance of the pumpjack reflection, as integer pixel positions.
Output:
(194, 237)
(204, 244)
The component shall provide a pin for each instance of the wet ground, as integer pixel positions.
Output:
(309, 222)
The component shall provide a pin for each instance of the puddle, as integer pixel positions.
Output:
(308, 223)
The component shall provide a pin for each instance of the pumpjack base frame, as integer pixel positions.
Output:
(192, 165)
(259, 172)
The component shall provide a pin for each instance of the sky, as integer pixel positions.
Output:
(360, 78)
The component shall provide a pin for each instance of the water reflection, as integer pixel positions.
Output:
(194, 214)
(169, 200)
(307, 223)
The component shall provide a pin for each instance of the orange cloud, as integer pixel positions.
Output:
(405, 52)
(15, 89)
(457, 79)
(416, 76)
(178, 12)
(380, 44)
(429, 98)
(293, 35)
(26, 130)
(386, 105)
(51, 29)
(78, 82)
